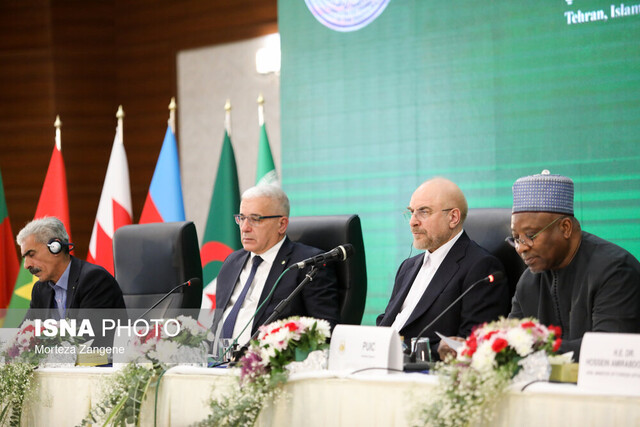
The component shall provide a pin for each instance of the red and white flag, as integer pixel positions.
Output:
(114, 209)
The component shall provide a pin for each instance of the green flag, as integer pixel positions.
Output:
(266, 173)
(221, 235)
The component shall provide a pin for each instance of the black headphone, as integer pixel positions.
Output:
(56, 245)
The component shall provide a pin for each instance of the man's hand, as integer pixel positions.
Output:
(445, 352)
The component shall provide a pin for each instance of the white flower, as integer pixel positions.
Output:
(165, 350)
(521, 341)
(324, 328)
(266, 353)
(484, 357)
(190, 324)
(23, 340)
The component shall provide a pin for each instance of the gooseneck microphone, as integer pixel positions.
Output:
(195, 281)
(339, 253)
(491, 278)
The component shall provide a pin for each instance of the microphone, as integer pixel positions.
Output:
(340, 253)
(413, 366)
(195, 281)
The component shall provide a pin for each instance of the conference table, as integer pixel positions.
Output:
(320, 398)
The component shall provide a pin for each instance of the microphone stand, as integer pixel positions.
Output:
(412, 365)
(278, 310)
(187, 283)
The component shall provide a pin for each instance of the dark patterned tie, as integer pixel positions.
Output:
(230, 322)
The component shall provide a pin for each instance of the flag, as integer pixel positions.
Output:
(53, 201)
(114, 208)
(8, 259)
(266, 170)
(164, 201)
(221, 235)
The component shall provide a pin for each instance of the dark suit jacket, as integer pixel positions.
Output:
(90, 288)
(465, 264)
(318, 299)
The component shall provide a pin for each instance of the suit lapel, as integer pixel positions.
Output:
(224, 294)
(279, 264)
(413, 267)
(442, 278)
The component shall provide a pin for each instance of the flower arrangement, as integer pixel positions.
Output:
(152, 352)
(21, 355)
(471, 384)
(172, 342)
(27, 346)
(263, 368)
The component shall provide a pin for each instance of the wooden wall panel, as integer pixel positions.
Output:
(26, 104)
(81, 60)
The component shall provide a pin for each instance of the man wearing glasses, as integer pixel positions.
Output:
(247, 277)
(575, 280)
(428, 283)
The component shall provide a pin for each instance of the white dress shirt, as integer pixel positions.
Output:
(430, 265)
(252, 299)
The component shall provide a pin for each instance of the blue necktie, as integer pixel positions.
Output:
(230, 322)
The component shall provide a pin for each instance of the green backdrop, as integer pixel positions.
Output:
(479, 92)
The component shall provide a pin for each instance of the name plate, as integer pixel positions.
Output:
(610, 363)
(370, 348)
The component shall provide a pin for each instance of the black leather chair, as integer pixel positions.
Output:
(326, 233)
(152, 259)
(488, 227)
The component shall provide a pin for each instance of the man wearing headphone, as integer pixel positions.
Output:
(65, 282)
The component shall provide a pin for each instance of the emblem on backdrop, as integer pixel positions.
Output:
(346, 15)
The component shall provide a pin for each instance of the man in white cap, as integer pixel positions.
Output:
(575, 280)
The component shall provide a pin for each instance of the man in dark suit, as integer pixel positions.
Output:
(66, 286)
(247, 278)
(428, 283)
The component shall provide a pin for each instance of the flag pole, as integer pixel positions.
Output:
(227, 116)
(120, 125)
(58, 126)
(260, 109)
(172, 114)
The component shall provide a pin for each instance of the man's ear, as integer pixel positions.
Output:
(455, 218)
(284, 223)
(566, 225)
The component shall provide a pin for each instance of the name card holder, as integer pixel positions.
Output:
(610, 363)
(365, 348)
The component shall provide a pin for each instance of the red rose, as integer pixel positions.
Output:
(556, 344)
(488, 335)
(556, 330)
(499, 344)
(291, 326)
(471, 345)
(528, 325)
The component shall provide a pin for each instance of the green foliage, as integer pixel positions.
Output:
(123, 396)
(15, 382)
(242, 406)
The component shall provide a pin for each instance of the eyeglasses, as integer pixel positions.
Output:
(528, 240)
(422, 213)
(253, 218)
